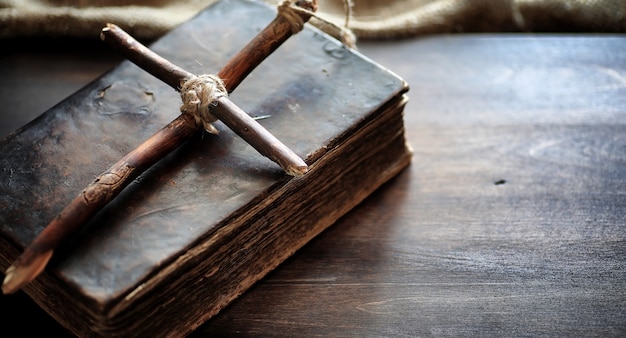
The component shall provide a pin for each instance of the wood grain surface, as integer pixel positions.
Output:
(510, 220)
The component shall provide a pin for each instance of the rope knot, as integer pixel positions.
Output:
(293, 13)
(199, 93)
(290, 13)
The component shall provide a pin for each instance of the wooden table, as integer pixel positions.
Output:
(510, 221)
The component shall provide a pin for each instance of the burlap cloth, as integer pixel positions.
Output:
(371, 19)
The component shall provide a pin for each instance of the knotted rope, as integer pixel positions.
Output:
(198, 94)
(290, 13)
(293, 15)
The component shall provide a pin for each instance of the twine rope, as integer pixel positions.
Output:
(293, 14)
(199, 93)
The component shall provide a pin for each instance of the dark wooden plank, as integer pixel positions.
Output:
(510, 221)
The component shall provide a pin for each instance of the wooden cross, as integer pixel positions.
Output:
(290, 19)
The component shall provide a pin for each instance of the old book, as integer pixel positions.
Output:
(201, 226)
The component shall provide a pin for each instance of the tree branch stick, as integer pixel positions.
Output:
(108, 185)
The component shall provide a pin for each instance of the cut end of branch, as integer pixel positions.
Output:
(296, 166)
(298, 171)
(17, 276)
(104, 30)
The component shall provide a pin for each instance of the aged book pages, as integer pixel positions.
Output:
(205, 223)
